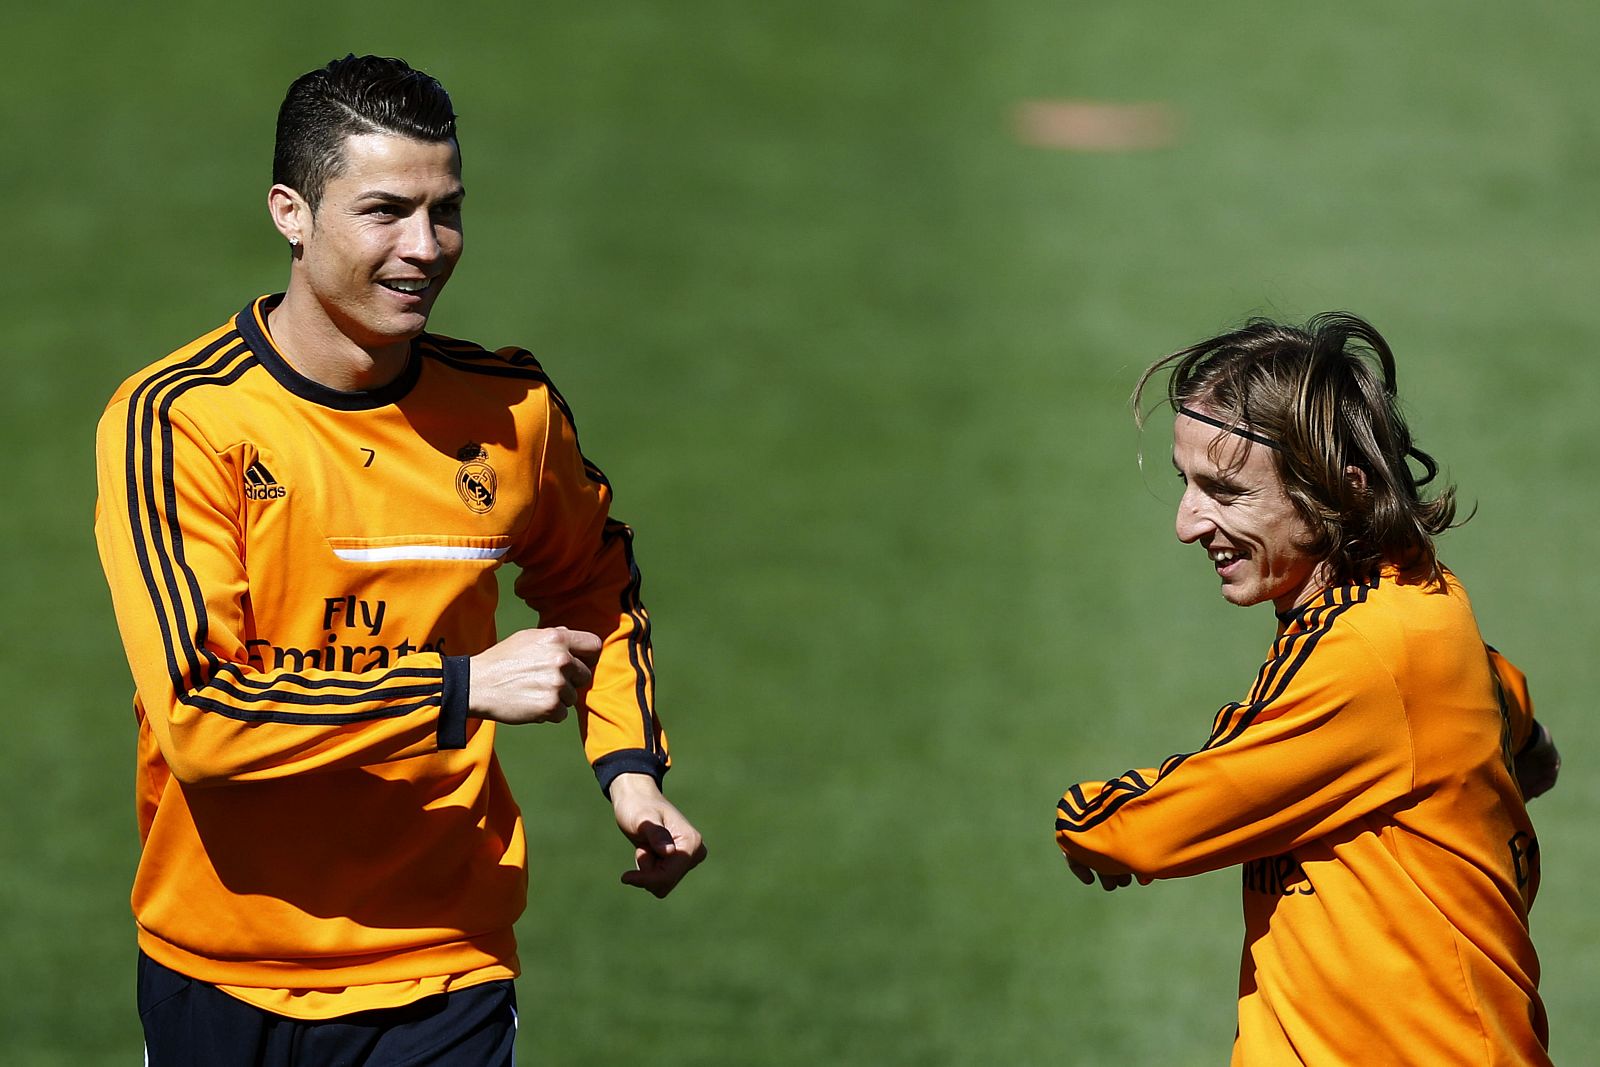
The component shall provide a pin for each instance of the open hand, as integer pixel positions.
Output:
(666, 846)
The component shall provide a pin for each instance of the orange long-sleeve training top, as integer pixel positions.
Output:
(1388, 861)
(299, 576)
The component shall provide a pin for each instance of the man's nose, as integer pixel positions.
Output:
(421, 242)
(1194, 518)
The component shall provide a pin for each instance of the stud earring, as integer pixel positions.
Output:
(294, 242)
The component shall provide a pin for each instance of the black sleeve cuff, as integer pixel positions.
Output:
(627, 761)
(453, 704)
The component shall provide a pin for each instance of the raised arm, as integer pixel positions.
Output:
(1320, 742)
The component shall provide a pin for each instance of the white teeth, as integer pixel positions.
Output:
(408, 285)
(1223, 555)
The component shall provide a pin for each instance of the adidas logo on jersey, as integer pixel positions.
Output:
(259, 484)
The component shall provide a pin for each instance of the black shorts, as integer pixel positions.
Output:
(188, 1023)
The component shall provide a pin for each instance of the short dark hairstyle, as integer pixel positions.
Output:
(1324, 396)
(353, 95)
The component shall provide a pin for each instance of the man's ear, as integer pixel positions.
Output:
(290, 214)
(1356, 478)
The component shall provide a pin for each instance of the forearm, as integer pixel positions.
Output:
(1267, 781)
(1125, 829)
(617, 717)
(243, 725)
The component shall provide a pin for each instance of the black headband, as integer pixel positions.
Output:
(1237, 431)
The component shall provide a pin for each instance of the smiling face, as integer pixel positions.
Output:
(1235, 507)
(382, 242)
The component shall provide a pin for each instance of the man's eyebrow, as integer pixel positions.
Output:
(456, 195)
(1220, 482)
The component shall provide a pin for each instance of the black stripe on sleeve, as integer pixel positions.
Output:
(140, 471)
(267, 689)
(301, 718)
(376, 690)
(639, 646)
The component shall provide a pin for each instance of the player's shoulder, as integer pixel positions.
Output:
(1324, 637)
(469, 357)
(1388, 594)
(510, 376)
(1404, 602)
(1393, 617)
(198, 360)
(1325, 656)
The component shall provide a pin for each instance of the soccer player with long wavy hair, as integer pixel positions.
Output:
(1371, 783)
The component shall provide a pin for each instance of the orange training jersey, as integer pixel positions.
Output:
(1388, 860)
(299, 576)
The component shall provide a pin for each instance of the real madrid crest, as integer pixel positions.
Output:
(475, 480)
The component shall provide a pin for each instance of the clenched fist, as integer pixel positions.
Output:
(532, 676)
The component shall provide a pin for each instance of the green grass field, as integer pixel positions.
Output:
(857, 362)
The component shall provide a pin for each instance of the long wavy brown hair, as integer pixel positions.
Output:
(1324, 393)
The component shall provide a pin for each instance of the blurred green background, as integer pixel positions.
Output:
(857, 361)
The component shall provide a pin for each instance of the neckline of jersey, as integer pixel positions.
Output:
(1328, 594)
(252, 325)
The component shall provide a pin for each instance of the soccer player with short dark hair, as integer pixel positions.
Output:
(1372, 783)
(300, 517)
